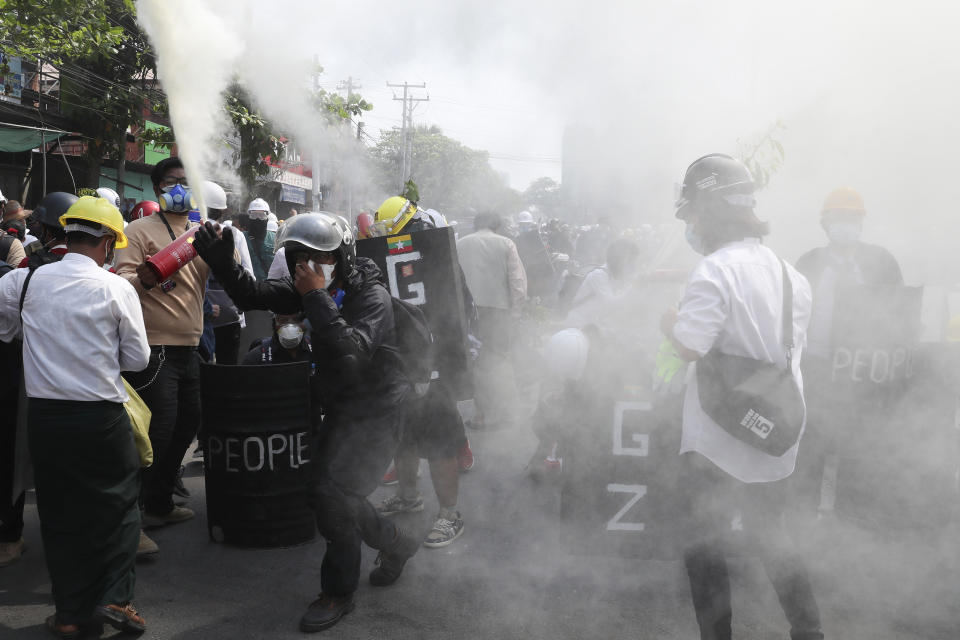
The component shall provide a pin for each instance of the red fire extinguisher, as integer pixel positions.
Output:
(172, 258)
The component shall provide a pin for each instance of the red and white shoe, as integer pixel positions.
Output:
(465, 458)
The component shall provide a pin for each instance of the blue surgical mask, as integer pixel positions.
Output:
(843, 234)
(695, 240)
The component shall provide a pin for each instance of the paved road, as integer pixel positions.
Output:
(509, 576)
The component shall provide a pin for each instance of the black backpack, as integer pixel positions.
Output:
(414, 340)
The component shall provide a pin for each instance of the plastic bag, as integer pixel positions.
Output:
(140, 422)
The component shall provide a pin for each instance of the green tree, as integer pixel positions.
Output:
(763, 154)
(544, 195)
(105, 63)
(452, 178)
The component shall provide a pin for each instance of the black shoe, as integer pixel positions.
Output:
(324, 612)
(178, 488)
(390, 563)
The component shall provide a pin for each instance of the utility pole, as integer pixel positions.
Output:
(315, 152)
(348, 86)
(406, 129)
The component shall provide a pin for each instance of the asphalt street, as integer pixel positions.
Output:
(509, 576)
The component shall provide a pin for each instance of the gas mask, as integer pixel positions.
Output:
(177, 199)
(290, 335)
(695, 240)
(843, 234)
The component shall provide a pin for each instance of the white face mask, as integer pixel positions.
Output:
(844, 234)
(290, 335)
(695, 240)
(326, 269)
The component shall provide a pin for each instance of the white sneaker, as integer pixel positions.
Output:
(444, 532)
(146, 547)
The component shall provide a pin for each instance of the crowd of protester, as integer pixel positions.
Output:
(79, 293)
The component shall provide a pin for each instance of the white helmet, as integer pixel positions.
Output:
(524, 216)
(258, 209)
(565, 355)
(109, 195)
(214, 197)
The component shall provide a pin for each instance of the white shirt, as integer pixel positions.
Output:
(493, 270)
(279, 268)
(600, 300)
(82, 326)
(734, 301)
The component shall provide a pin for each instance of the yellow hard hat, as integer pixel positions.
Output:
(393, 215)
(843, 199)
(97, 210)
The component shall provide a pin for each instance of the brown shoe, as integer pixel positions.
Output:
(124, 618)
(65, 631)
(10, 552)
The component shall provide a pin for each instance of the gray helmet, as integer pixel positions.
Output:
(715, 179)
(319, 231)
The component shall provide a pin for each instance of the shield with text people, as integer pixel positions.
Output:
(422, 268)
(257, 433)
(894, 410)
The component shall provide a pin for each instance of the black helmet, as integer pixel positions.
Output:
(320, 231)
(715, 179)
(54, 205)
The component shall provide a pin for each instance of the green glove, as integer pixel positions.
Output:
(668, 363)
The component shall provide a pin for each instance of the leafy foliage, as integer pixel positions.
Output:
(544, 195)
(452, 178)
(105, 63)
(763, 155)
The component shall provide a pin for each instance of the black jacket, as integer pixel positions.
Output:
(877, 265)
(354, 347)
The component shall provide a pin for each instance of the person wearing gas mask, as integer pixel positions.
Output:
(289, 343)
(173, 315)
(261, 242)
(739, 300)
(362, 391)
(845, 261)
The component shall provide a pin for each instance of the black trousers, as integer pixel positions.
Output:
(352, 455)
(171, 389)
(87, 474)
(714, 499)
(11, 508)
(434, 428)
(228, 343)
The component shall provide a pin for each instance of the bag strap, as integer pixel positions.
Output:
(23, 293)
(169, 228)
(787, 315)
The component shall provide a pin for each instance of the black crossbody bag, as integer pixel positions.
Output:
(756, 402)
